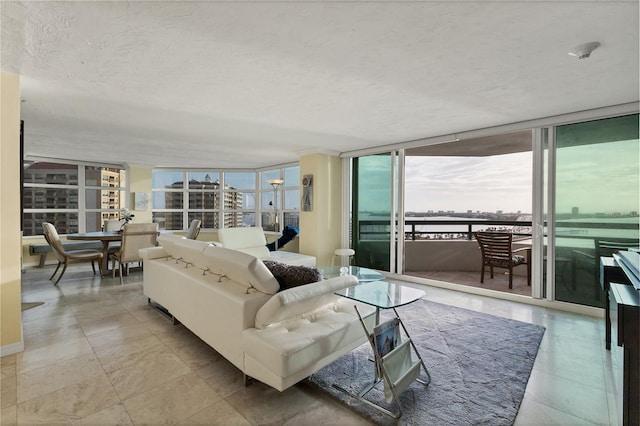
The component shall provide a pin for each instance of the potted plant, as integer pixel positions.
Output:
(126, 216)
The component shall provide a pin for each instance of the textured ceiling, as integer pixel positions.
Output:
(253, 84)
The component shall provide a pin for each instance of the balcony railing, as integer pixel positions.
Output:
(451, 229)
(464, 229)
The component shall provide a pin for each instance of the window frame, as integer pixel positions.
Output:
(81, 210)
(223, 211)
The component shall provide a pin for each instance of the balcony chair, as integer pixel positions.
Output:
(134, 237)
(497, 252)
(67, 257)
(194, 229)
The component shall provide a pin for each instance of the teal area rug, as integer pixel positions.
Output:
(479, 366)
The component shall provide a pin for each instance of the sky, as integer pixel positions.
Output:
(595, 178)
(469, 183)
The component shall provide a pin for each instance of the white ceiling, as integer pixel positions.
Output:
(253, 84)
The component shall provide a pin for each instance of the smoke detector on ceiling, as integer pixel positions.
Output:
(584, 50)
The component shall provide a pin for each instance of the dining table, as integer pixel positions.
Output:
(105, 237)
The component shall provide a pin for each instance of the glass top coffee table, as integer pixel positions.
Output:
(362, 274)
(382, 295)
(395, 367)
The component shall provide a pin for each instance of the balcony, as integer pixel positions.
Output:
(444, 250)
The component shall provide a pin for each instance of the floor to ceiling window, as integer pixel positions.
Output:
(562, 190)
(74, 197)
(457, 188)
(597, 199)
(225, 198)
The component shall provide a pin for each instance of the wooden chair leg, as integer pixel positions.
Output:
(491, 269)
(99, 266)
(64, 268)
(54, 272)
(120, 270)
(482, 274)
(510, 277)
(93, 266)
(113, 267)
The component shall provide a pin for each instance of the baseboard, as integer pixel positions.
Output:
(13, 348)
(561, 306)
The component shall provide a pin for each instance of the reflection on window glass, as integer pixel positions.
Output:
(292, 176)
(104, 176)
(292, 220)
(237, 219)
(292, 199)
(55, 187)
(597, 198)
(268, 175)
(204, 180)
(50, 198)
(267, 200)
(203, 200)
(52, 174)
(168, 200)
(208, 219)
(164, 179)
(168, 220)
(235, 200)
(240, 180)
(65, 223)
(112, 199)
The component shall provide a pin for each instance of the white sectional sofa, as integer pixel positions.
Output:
(232, 302)
(252, 240)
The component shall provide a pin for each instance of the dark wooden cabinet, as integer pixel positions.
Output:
(623, 313)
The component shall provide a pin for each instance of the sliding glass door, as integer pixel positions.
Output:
(373, 219)
(597, 187)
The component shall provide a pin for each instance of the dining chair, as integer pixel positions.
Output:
(113, 225)
(497, 252)
(194, 229)
(68, 257)
(134, 237)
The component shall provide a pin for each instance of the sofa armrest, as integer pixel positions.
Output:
(298, 301)
(150, 253)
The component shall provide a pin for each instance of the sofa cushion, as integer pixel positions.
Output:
(241, 267)
(290, 276)
(168, 241)
(250, 240)
(191, 251)
(290, 258)
(242, 237)
(299, 301)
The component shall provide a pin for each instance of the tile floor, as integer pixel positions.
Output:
(96, 353)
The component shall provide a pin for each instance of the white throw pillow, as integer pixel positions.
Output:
(191, 251)
(301, 300)
(168, 241)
